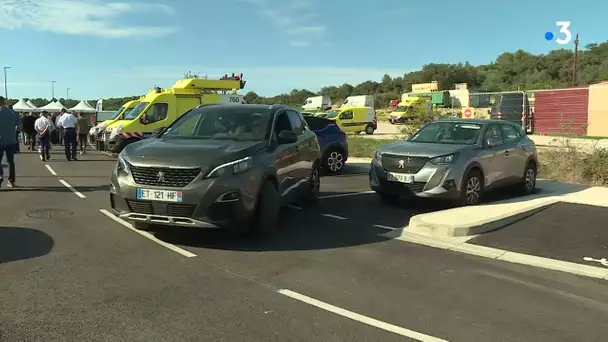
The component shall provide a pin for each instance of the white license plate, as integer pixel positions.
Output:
(159, 195)
(400, 177)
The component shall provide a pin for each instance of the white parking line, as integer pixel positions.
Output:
(147, 235)
(48, 167)
(386, 227)
(335, 216)
(360, 318)
(347, 194)
(76, 192)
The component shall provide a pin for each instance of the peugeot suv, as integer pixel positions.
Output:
(219, 166)
(457, 159)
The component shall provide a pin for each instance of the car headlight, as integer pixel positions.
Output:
(121, 164)
(448, 159)
(234, 167)
(378, 155)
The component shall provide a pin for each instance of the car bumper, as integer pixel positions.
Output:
(432, 181)
(225, 202)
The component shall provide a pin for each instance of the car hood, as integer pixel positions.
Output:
(188, 153)
(407, 148)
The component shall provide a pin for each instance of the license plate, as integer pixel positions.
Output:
(159, 195)
(400, 177)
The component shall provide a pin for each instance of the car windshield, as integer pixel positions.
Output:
(459, 133)
(134, 113)
(401, 108)
(222, 123)
(116, 113)
(331, 114)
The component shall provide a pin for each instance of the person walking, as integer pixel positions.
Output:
(30, 131)
(44, 127)
(9, 125)
(60, 133)
(83, 131)
(68, 123)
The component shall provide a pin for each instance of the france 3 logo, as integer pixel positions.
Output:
(564, 29)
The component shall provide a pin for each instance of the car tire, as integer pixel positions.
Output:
(369, 130)
(528, 184)
(334, 160)
(314, 186)
(386, 197)
(471, 192)
(268, 208)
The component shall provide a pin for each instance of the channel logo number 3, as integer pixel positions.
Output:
(564, 29)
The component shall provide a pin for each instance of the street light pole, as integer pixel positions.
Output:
(52, 90)
(5, 83)
(67, 93)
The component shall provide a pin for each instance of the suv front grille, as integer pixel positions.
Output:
(175, 210)
(159, 176)
(410, 164)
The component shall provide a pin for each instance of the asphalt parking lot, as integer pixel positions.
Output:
(69, 272)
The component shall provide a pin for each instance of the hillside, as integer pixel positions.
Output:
(508, 72)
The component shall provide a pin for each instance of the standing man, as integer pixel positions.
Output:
(29, 130)
(9, 125)
(60, 133)
(44, 128)
(83, 130)
(68, 123)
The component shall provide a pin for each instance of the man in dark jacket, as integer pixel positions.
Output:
(30, 132)
(9, 126)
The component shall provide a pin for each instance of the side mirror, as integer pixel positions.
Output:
(287, 137)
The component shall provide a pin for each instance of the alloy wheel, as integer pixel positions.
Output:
(335, 161)
(530, 180)
(473, 190)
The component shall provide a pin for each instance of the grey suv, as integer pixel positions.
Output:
(456, 159)
(219, 166)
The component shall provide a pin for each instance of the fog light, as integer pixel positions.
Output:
(448, 184)
(232, 196)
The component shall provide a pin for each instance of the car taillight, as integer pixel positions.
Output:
(499, 116)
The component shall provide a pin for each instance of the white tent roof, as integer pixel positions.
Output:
(22, 106)
(83, 107)
(31, 104)
(52, 107)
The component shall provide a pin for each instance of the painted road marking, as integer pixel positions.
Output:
(347, 194)
(147, 235)
(602, 261)
(360, 318)
(385, 227)
(335, 216)
(76, 192)
(48, 167)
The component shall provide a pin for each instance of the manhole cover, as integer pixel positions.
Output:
(50, 213)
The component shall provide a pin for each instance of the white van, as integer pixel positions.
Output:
(359, 101)
(317, 103)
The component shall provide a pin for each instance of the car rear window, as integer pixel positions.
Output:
(317, 124)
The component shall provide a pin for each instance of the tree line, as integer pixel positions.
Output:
(510, 71)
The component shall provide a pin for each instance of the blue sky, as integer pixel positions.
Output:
(107, 49)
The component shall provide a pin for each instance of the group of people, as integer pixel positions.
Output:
(41, 130)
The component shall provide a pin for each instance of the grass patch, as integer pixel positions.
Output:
(365, 147)
(572, 165)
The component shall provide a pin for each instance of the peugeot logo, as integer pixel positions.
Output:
(161, 176)
(401, 164)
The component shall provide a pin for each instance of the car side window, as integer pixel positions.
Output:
(346, 115)
(157, 112)
(493, 136)
(297, 124)
(510, 134)
(281, 123)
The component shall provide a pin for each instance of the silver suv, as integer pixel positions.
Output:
(457, 159)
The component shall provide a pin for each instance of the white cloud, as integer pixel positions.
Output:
(293, 17)
(80, 17)
(266, 81)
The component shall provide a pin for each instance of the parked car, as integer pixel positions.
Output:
(333, 142)
(458, 159)
(219, 166)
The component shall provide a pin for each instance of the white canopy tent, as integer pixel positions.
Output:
(31, 104)
(83, 107)
(52, 107)
(22, 106)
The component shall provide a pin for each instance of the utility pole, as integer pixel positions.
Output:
(52, 90)
(5, 83)
(575, 66)
(67, 93)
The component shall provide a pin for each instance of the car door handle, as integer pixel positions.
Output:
(507, 152)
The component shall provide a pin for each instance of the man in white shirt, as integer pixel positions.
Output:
(68, 122)
(44, 126)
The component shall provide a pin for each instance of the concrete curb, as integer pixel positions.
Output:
(504, 255)
(426, 224)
